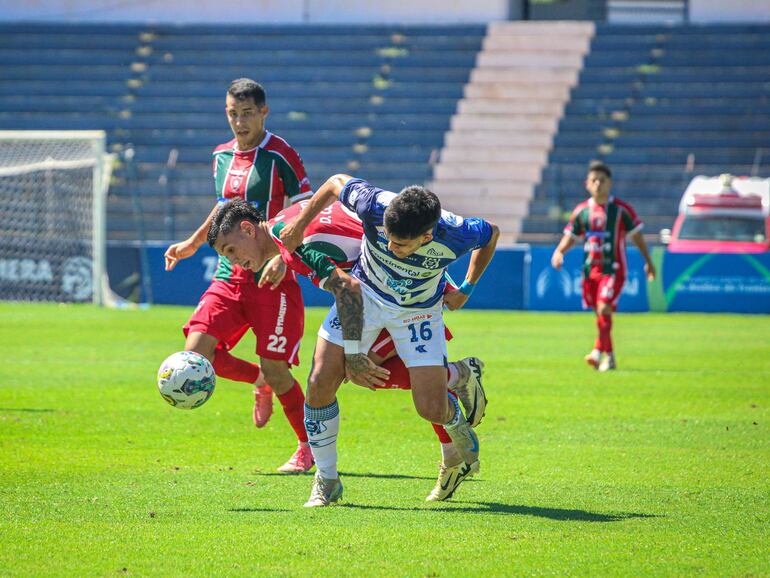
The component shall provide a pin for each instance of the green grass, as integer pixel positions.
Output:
(660, 468)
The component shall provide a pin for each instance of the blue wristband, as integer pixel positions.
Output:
(466, 288)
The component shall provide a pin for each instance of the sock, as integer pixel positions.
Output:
(452, 375)
(399, 374)
(443, 437)
(604, 322)
(293, 402)
(230, 367)
(322, 425)
(449, 455)
(458, 415)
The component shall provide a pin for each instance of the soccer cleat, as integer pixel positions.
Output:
(301, 461)
(324, 492)
(263, 405)
(470, 390)
(449, 478)
(608, 363)
(465, 440)
(593, 359)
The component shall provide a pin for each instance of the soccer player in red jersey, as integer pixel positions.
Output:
(331, 245)
(604, 221)
(264, 170)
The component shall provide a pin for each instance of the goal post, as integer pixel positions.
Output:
(53, 190)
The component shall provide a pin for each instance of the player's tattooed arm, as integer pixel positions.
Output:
(350, 308)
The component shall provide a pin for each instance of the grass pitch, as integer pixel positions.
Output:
(660, 468)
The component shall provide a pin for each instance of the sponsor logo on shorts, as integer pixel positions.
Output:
(420, 317)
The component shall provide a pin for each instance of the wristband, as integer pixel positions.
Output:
(466, 288)
(351, 347)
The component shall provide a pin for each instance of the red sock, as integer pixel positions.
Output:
(293, 402)
(229, 367)
(399, 375)
(443, 437)
(604, 323)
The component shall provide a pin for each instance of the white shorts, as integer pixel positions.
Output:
(418, 334)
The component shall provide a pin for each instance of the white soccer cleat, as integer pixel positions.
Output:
(608, 363)
(449, 478)
(470, 390)
(324, 492)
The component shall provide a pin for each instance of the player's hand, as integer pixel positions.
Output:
(273, 273)
(364, 372)
(177, 252)
(649, 268)
(291, 236)
(557, 260)
(454, 300)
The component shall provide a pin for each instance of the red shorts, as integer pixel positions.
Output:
(227, 310)
(599, 287)
(384, 346)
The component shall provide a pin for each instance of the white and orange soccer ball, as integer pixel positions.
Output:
(186, 379)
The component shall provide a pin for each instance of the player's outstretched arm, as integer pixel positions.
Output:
(649, 267)
(292, 233)
(566, 243)
(480, 258)
(189, 246)
(350, 308)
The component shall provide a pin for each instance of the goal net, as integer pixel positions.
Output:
(53, 187)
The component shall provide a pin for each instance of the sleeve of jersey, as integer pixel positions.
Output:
(476, 232)
(358, 196)
(631, 221)
(319, 263)
(575, 226)
(296, 185)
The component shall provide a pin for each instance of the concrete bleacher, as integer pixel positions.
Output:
(660, 105)
(374, 102)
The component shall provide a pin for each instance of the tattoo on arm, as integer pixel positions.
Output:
(350, 306)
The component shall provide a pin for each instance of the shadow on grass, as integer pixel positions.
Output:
(559, 514)
(26, 409)
(357, 475)
(248, 510)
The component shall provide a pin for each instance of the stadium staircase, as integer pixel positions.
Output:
(499, 140)
(660, 105)
(374, 102)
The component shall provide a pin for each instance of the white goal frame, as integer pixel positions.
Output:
(102, 172)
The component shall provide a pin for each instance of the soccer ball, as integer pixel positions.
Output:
(186, 379)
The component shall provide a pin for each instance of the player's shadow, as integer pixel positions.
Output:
(559, 514)
(27, 409)
(360, 475)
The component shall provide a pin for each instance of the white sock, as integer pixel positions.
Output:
(454, 375)
(596, 354)
(322, 425)
(458, 415)
(449, 455)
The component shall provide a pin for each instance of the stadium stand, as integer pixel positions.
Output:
(660, 105)
(375, 101)
(504, 126)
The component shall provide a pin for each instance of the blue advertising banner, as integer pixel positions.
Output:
(736, 283)
(500, 288)
(552, 290)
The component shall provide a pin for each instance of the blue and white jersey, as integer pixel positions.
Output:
(417, 280)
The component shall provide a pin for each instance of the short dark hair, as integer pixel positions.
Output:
(229, 215)
(245, 88)
(600, 167)
(413, 212)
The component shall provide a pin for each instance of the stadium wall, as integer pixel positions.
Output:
(262, 11)
(517, 278)
(720, 12)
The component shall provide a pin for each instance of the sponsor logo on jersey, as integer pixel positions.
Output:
(430, 263)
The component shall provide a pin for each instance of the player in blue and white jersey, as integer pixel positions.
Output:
(408, 243)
